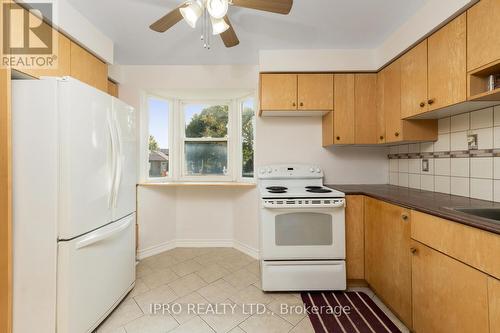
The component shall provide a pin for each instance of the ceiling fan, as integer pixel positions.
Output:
(214, 16)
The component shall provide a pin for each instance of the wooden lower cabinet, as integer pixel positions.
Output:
(448, 296)
(387, 255)
(354, 233)
(494, 304)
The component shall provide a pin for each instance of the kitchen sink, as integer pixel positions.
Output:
(488, 213)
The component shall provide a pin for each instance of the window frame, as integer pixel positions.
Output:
(183, 139)
(144, 161)
(176, 137)
(240, 101)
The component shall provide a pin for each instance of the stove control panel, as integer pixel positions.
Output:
(304, 203)
(290, 171)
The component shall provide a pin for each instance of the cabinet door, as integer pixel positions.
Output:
(343, 124)
(354, 234)
(414, 81)
(483, 34)
(87, 68)
(278, 92)
(315, 92)
(448, 296)
(387, 255)
(327, 129)
(380, 108)
(447, 64)
(365, 108)
(494, 304)
(391, 101)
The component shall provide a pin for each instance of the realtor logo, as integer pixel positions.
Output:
(27, 40)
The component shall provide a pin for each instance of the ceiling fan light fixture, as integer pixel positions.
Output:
(192, 12)
(217, 8)
(218, 25)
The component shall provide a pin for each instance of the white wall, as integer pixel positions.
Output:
(171, 216)
(425, 20)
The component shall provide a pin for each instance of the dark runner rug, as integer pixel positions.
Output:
(346, 312)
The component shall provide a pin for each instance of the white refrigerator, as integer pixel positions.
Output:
(74, 198)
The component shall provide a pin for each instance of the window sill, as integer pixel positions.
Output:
(200, 184)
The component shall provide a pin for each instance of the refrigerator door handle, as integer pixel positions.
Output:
(104, 234)
(113, 162)
(118, 173)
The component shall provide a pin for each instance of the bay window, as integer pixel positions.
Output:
(196, 140)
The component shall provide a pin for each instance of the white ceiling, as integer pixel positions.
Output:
(312, 24)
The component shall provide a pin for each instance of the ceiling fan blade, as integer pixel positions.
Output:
(229, 36)
(273, 6)
(167, 21)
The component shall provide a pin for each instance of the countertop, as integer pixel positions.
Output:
(432, 203)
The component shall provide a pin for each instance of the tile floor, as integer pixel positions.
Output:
(203, 277)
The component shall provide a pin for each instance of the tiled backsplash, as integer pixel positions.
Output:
(448, 165)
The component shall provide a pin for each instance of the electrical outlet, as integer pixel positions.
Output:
(472, 141)
(425, 165)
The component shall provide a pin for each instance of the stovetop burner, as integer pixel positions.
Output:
(277, 188)
(317, 189)
(277, 191)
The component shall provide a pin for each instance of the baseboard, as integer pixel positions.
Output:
(204, 243)
(254, 253)
(154, 250)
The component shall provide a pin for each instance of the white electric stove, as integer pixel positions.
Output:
(302, 230)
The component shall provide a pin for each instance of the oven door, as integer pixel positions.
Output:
(303, 233)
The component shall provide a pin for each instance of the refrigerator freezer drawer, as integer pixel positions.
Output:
(303, 275)
(94, 272)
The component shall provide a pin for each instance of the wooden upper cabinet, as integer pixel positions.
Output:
(447, 296)
(414, 81)
(327, 129)
(365, 109)
(343, 116)
(5, 201)
(278, 92)
(387, 255)
(87, 68)
(448, 64)
(483, 34)
(315, 92)
(113, 88)
(390, 101)
(380, 108)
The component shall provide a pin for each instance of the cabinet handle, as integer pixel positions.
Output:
(431, 101)
(404, 217)
(301, 104)
(396, 134)
(381, 137)
(338, 138)
(413, 251)
(422, 104)
(293, 104)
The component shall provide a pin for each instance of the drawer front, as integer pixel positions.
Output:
(94, 272)
(474, 247)
(303, 275)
